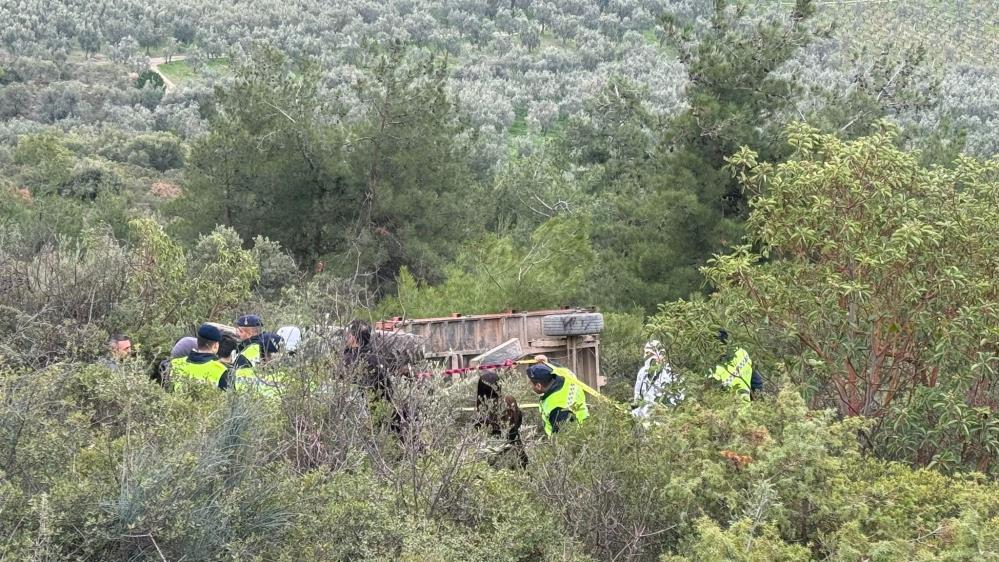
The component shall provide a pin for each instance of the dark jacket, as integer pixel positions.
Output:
(371, 370)
(503, 417)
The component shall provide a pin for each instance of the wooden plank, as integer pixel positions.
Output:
(548, 344)
(451, 352)
(509, 350)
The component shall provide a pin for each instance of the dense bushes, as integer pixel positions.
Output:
(397, 158)
(870, 282)
(159, 151)
(101, 464)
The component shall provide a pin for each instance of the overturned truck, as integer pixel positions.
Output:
(570, 337)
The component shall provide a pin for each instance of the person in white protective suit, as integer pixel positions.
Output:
(655, 379)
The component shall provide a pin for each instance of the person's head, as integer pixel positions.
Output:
(725, 349)
(541, 377)
(183, 347)
(227, 347)
(121, 346)
(358, 334)
(249, 325)
(488, 387)
(209, 337)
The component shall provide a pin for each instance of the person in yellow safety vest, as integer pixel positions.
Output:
(735, 371)
(201, 365)
(561, 400)
(251, 349)
(247, 378)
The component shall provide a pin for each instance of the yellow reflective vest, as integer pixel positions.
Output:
(246, 377)
(570, 397)
(736, 374)
(251, 354)
(183, 371)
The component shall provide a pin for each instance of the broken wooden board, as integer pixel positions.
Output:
(510, 350)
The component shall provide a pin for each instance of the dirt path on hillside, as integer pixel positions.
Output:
(154, 65)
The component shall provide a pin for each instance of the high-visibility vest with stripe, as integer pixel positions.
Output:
(209, 372)
(570, 397)
(252, 354)
(248, 379)
(736, 374)
(246, 376)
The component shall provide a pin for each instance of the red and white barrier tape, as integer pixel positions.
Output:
(464, 370)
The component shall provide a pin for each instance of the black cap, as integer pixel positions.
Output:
(209, 332)
(271, 342)
(249, 321)
(540, 373)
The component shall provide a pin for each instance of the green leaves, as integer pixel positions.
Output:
(171, 288)
(496, 274)
(672, 189)
(384, 187)
(877, 267)
(49, 160)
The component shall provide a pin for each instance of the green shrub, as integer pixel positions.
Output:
(277, 267)
(48, 162)
(159, 151)
(496, 274)
(150, 77)
(90, 178)
(741, 542)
